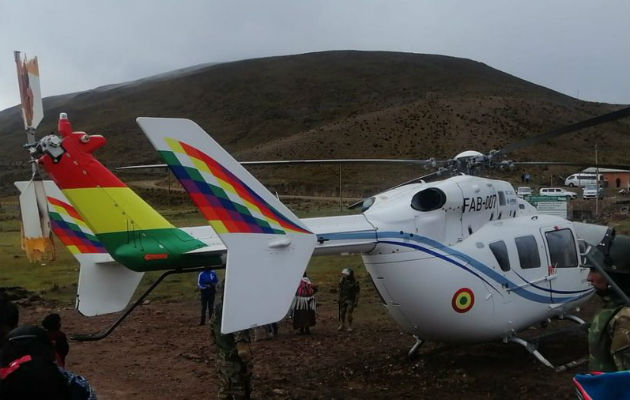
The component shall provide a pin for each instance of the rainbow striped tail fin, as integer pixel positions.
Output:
(268, 246)
(105, 286)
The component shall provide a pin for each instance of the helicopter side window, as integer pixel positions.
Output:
(527, 252)
(501, 254)
(562, 248)
(428, 199)
(501, 198)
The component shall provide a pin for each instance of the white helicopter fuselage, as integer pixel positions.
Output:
(433, 251)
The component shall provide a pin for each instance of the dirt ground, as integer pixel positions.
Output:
(160, 352)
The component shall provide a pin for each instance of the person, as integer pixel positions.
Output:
(304, 306)
(272, 329)
(9, 317)
(527, 177)
(28, 369)
(348, 298)
(233, 357)
(206, 282)
(52, 324)
(609, 332)
(265, 332)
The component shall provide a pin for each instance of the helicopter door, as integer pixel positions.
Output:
(566, 276)
(532, 271)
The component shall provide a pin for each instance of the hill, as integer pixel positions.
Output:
(334, 104)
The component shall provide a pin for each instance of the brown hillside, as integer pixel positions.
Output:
(335, 104)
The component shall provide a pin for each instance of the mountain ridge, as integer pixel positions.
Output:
(335, 104)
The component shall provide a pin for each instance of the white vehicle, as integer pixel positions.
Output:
(557, 192)
(592, 191)
(581, 180)
(523, 191)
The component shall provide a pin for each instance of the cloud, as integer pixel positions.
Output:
(578, 47)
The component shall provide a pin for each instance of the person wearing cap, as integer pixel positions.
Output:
(609, 332)
(348, 298)
(233, 357)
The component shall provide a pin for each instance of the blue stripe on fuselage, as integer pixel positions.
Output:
(479, 266)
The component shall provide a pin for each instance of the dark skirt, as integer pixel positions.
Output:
(303, 318)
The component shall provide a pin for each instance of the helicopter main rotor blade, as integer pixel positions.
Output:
(571, 164)
(615, 115)
(340, 161)
(324, 161)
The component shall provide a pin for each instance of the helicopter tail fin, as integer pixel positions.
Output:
(268, 246)
(105, 286)
(133, 232)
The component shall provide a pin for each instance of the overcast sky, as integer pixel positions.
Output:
(577, 47)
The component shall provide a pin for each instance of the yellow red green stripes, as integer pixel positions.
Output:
(115, 209)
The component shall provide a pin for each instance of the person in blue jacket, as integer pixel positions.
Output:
(207, 282)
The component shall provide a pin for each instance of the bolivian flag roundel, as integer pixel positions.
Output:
(463, 300)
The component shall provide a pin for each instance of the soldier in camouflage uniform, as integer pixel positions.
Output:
(609, 333)
(232, 357)
(348, 298)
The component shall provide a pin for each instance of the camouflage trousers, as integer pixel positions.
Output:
(234, 379)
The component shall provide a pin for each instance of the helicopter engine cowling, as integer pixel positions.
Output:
(448, 211)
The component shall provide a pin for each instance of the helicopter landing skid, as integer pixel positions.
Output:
(532, 348)
(573, 318)
(416, 346)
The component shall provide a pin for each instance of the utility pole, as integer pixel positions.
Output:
(340, 197)
(597, 181)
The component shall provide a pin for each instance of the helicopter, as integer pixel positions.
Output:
(457, 260)
(461, 259)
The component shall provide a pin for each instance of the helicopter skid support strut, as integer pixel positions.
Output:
(416, 346)
(533, 349)
(90, 337)
(573, 318)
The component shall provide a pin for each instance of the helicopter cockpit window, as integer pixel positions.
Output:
(501, 254)
(562, 248)
(527, 252)
(428, 199)
(501, 198)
